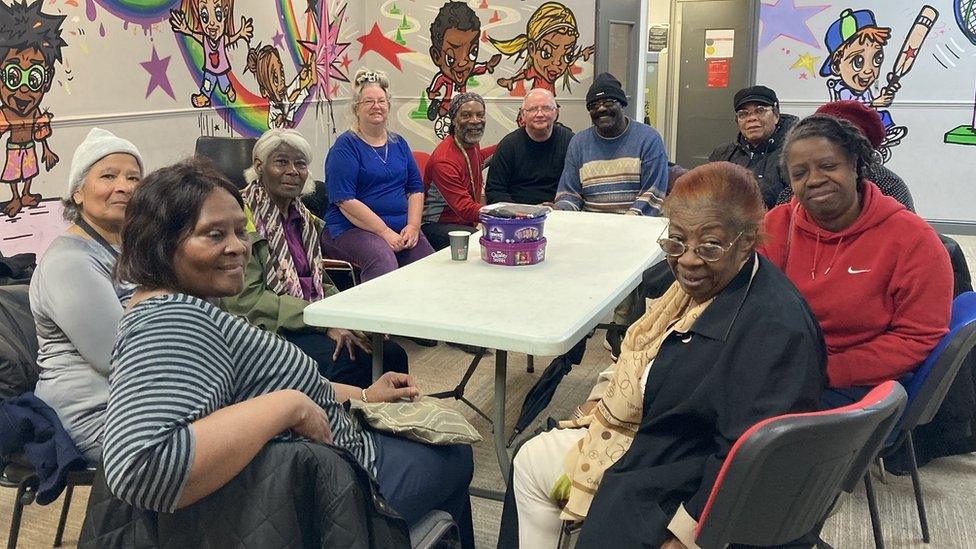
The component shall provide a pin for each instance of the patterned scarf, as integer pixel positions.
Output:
(614, 421)
(279, 272)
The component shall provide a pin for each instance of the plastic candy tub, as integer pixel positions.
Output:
(514, 254)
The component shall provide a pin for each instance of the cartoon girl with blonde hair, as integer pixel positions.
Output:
(211, 23)
(549, 44)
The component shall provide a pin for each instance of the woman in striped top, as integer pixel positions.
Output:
(196, 392)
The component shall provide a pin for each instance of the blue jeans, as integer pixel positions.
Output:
(417, 478)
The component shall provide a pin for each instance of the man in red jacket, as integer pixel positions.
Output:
(875, 274)
(453, 176)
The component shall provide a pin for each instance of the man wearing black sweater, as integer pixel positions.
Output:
(528, 162)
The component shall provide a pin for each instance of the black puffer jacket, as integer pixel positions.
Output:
(762, 160)
(291, 495)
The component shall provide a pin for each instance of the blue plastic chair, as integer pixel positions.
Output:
(927, 386)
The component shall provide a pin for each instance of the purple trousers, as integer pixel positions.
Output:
(371, 253)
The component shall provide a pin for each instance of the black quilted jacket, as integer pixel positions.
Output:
(291, 495)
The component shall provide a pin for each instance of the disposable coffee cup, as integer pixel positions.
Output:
(459, 245)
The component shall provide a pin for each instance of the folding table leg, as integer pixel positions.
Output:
(377, 355)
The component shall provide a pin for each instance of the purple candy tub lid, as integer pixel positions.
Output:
(507, 210)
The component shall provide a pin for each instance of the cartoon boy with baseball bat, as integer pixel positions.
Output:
(856, 45)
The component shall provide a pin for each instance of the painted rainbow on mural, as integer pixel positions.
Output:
(143, 12)
(248, 115)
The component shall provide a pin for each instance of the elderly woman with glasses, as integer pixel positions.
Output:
(376, 195)
(640, 466)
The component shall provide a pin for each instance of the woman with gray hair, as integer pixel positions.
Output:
(284, 273)
(75, 301)
(376, 196)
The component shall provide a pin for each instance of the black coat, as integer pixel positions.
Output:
(291, 495)
(762, 160)
(756, 352)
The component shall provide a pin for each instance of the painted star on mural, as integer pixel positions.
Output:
(326, 50)
(386, 48)
(806, 62)
(784, 18)
(158, 78)
(278, 39)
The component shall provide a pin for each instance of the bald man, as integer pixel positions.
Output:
(528, 162)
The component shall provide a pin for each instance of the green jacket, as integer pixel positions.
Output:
(259, 304)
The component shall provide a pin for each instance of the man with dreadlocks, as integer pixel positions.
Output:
(30, 43)
(452, 177)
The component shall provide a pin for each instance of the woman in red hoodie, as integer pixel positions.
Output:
(875, 274)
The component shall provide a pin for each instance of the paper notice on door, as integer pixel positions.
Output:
(718, 73)
(719, 43)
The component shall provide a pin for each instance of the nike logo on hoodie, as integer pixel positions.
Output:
(854, 271)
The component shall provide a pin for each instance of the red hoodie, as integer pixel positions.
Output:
(881, 288)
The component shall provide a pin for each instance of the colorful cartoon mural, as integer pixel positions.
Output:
(30, 45)
(548, 46)
(855, 53)
(965, 12)
(283, 98)
(211, 24)
(454, 37)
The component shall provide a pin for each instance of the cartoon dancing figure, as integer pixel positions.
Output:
(549, 47)
(211, 23)
(856, 51)
(30, 43)
(283, 99)
(454, 38)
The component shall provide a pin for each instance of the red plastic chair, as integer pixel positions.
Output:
(782, 476)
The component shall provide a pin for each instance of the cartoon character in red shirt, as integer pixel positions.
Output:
(454, 38)
(549, 47)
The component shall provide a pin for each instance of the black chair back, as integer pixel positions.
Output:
(230, 155)
(783, 474)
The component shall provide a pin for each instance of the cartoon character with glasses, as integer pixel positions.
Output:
(28, 51)
(454, 35)
(211, 23)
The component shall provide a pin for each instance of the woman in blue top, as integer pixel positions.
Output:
(376, 195)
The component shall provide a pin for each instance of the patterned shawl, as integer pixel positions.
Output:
(279, 272)
(615, 419)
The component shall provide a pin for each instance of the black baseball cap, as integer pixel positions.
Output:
(755, 94)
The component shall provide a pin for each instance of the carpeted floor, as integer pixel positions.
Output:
(948, 483)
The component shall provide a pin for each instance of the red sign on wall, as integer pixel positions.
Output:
(717, 72)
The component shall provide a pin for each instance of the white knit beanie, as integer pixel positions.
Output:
(97, 145)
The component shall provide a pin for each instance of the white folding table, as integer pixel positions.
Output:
(592, 262)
